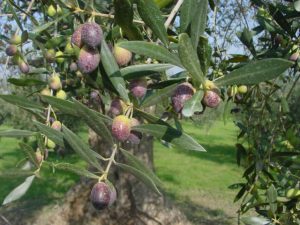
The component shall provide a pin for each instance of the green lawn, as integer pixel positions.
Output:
(198, 181)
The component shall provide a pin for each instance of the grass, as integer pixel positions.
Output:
(198, 181)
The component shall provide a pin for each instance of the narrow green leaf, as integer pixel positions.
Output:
(64, 106)
(252, 220)
(16, 18)
(28, 150)
(95, 122)
(212, 4)
(171, 135)
(16, 173)
(189, 59)
(278, 16)
(22, 102)
(297, 5)
(58, 138)
(187, 12)
(54, 135)
(256, 72)
(19, 191)
(80, 147)
(158, 96)
(141, 176)
(150, 117)
(14, 133)
(246, 37)
(55, 41)
(26, 82)
(68, 107)
(24, 36)
(151, 50)
(111, 68)
(198, 23)
(74, 169)
(123, 13)
(139, 165)
(285, 105)
(151, 15)
(137, 71)
(272, 198)
(49, 24)
(204, 52)
(124, 18)
(167, 83)
(193, 105)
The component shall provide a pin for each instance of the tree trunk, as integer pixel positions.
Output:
(135, 205)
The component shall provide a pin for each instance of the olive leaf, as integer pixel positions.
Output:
(193, 105)
(112, 69)
(151, 50)
(141, 176)
(137, 71)
(198, 23)
(158, 95)
(74, 169)
(94, 121)
(138, 164)
(22, 102)
(252, 220)
(15, 133)
(28, 150)
(170, 135)
(80, 147)
(19, 191)
(26, 82)
(56, 136)
(256, 72)
(151, 15)
(189, 59)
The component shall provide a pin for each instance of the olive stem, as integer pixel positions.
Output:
(111, 160)
(129, 111)
(173, 13)
(109, 16)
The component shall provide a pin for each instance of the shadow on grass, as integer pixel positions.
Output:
(223, 154)
(201, 215)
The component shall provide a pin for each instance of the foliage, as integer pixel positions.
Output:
(268, 145)
(87, 92)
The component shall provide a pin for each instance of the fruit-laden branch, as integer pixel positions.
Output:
(17, 31)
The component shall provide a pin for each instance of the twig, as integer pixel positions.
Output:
(112, 16)
(5, 220)
(111, 160)
(242, 12)
(173, 13)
